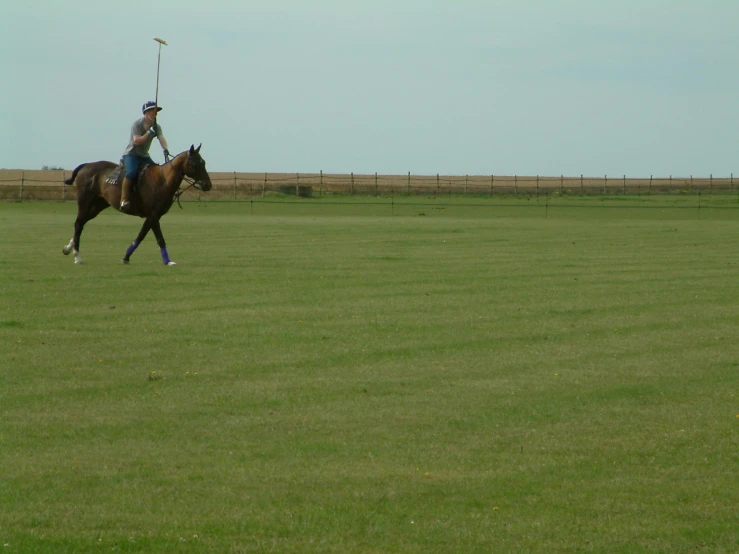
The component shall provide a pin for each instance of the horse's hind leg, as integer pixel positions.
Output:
(84, 214)
(74, 242)
(67, 249)
(160, 241)
(135, 244)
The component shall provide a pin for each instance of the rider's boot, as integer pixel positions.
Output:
(125, 191)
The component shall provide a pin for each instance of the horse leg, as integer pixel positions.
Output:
(135, 244)
(84, 214)
(160, 241)
(79, 224)
(67, 249)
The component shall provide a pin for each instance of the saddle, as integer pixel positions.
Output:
(116, 176)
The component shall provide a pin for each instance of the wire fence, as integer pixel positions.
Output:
(22, 185)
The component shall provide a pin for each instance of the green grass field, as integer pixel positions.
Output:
(373, 375)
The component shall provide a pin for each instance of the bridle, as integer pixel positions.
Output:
(197, 183)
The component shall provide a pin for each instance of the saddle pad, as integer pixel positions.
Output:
(116, 176)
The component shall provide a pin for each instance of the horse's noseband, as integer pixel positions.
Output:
(197, 183)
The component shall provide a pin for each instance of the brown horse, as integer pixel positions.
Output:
(152, 198)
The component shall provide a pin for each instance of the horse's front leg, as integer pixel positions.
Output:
(135, 244)
(160, 241)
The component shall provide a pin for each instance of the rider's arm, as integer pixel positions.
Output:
(138, 140)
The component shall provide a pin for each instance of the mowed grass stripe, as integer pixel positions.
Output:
(311, 381)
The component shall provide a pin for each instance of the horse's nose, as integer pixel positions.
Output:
(207, 185)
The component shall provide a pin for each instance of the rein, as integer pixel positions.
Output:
(191, 183)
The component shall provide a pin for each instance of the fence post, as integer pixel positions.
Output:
(515, 184)
(649, 190)
(234, 185)
(624, 183)
(605, 183)
(64, 188)
(375, 183)
(408, 191)
(264, 186)
(320, 184)
(711, 183)
(437, 184)
(581, 191)
(465, 184)
(23, 179)
(732, 181)
(537, 185)
(492, 184)
(691, 184)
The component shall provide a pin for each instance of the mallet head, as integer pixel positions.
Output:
(160, 41)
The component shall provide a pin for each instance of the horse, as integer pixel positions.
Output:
(154, 195)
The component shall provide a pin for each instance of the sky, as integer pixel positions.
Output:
(463, 87)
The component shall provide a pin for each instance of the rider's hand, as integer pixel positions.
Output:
(153, 129)
(166, 154)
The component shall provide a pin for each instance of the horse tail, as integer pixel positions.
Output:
(74, 174)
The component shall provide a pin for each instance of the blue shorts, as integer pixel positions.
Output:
(133, 163)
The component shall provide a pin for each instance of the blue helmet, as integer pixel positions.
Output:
(150, 106)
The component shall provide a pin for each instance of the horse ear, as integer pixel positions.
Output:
(198, 148)
(192, 148)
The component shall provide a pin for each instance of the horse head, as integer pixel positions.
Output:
(195, 169)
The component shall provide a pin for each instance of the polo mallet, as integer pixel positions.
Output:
(156, 96)
(159, 58)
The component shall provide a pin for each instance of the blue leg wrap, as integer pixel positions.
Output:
(132, 248)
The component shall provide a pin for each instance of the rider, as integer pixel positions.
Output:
(143, 132)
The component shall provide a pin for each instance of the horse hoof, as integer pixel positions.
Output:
(171, 263)
(124, 261)
(78, 260)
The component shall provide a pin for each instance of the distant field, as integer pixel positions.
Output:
(353, 375)
(47, 185)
